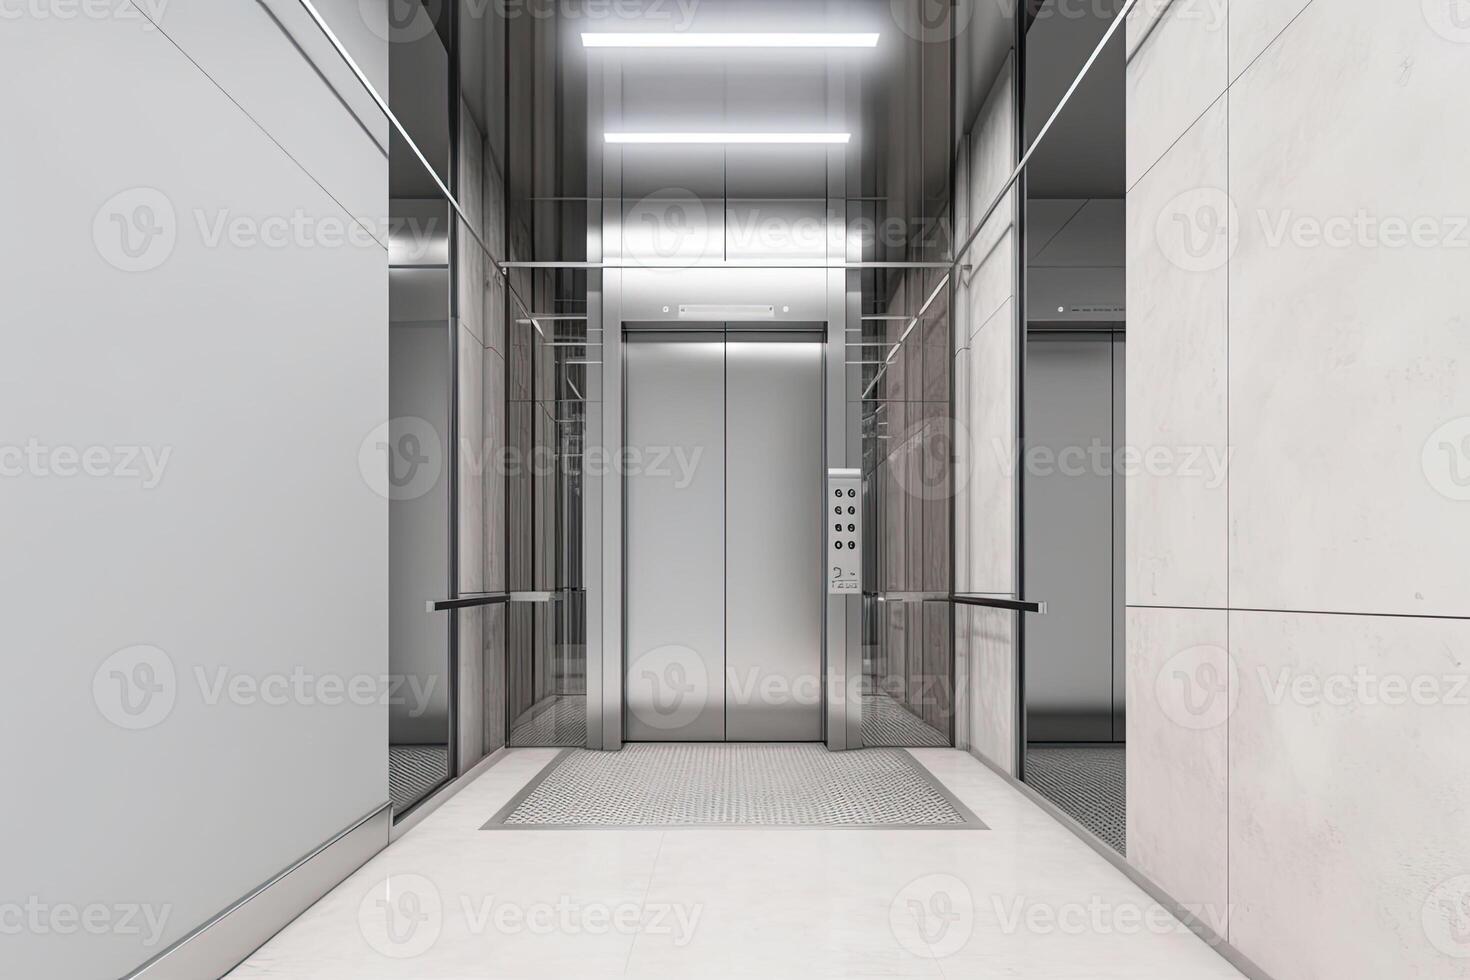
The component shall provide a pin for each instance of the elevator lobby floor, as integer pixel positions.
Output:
(1023, 899)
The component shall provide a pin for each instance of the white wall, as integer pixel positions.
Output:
(1332, 550)
(261, 550)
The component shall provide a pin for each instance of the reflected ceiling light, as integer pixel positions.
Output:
(727, 137)
(671, 39)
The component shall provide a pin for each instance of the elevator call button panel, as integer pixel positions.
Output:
(844, 518)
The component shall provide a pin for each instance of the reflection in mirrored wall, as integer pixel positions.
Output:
(902, 343)
(420, 517)
(1072, 495)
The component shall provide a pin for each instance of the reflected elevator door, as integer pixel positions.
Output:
(723, 541)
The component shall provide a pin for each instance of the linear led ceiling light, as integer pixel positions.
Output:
(671, 39)
(727, 137)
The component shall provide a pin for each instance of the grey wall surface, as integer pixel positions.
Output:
(259, 552)
(1279, 770)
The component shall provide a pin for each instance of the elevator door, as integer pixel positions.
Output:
(723, 538)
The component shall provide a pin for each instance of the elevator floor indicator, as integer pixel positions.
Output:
(734, 785)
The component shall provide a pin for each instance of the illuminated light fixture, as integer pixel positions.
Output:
(670, 39)
(727, 137)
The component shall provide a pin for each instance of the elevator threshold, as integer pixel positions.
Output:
(715, 784)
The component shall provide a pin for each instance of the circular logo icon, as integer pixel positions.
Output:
(401, 916)
(402, 459)
(931, 21)
(668, 687)
(933, 916)
(136, 687)
(1199, 230)
(670, 226)
(1450, 19)
(926, 460)
(1199, 687)
(135, 230)
(400, 21)
(1446, 459)
(1446, 917)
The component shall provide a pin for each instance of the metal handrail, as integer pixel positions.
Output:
(467, 601)
(991, 602)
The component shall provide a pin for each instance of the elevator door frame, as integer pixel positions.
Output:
(606, 527)
(726, 332)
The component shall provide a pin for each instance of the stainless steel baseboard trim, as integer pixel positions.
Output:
(443, 793)
(1213, 939)
(227, 939)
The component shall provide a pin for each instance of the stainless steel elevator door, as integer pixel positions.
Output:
(723, 542)
(773, 541)
(674, 549)
(1071, 559)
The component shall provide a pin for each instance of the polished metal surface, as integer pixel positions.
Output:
(1071, 654)
(842, 518)
(773, 535)
(675, 538)
(219, 945)
(690, 785)
(723, 541)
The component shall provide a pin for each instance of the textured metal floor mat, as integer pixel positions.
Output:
(737, 785)
(414, 770)
(560, 719)
(887, 722)
(1088, 782)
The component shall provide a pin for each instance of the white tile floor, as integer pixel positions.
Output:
(1025, 898)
